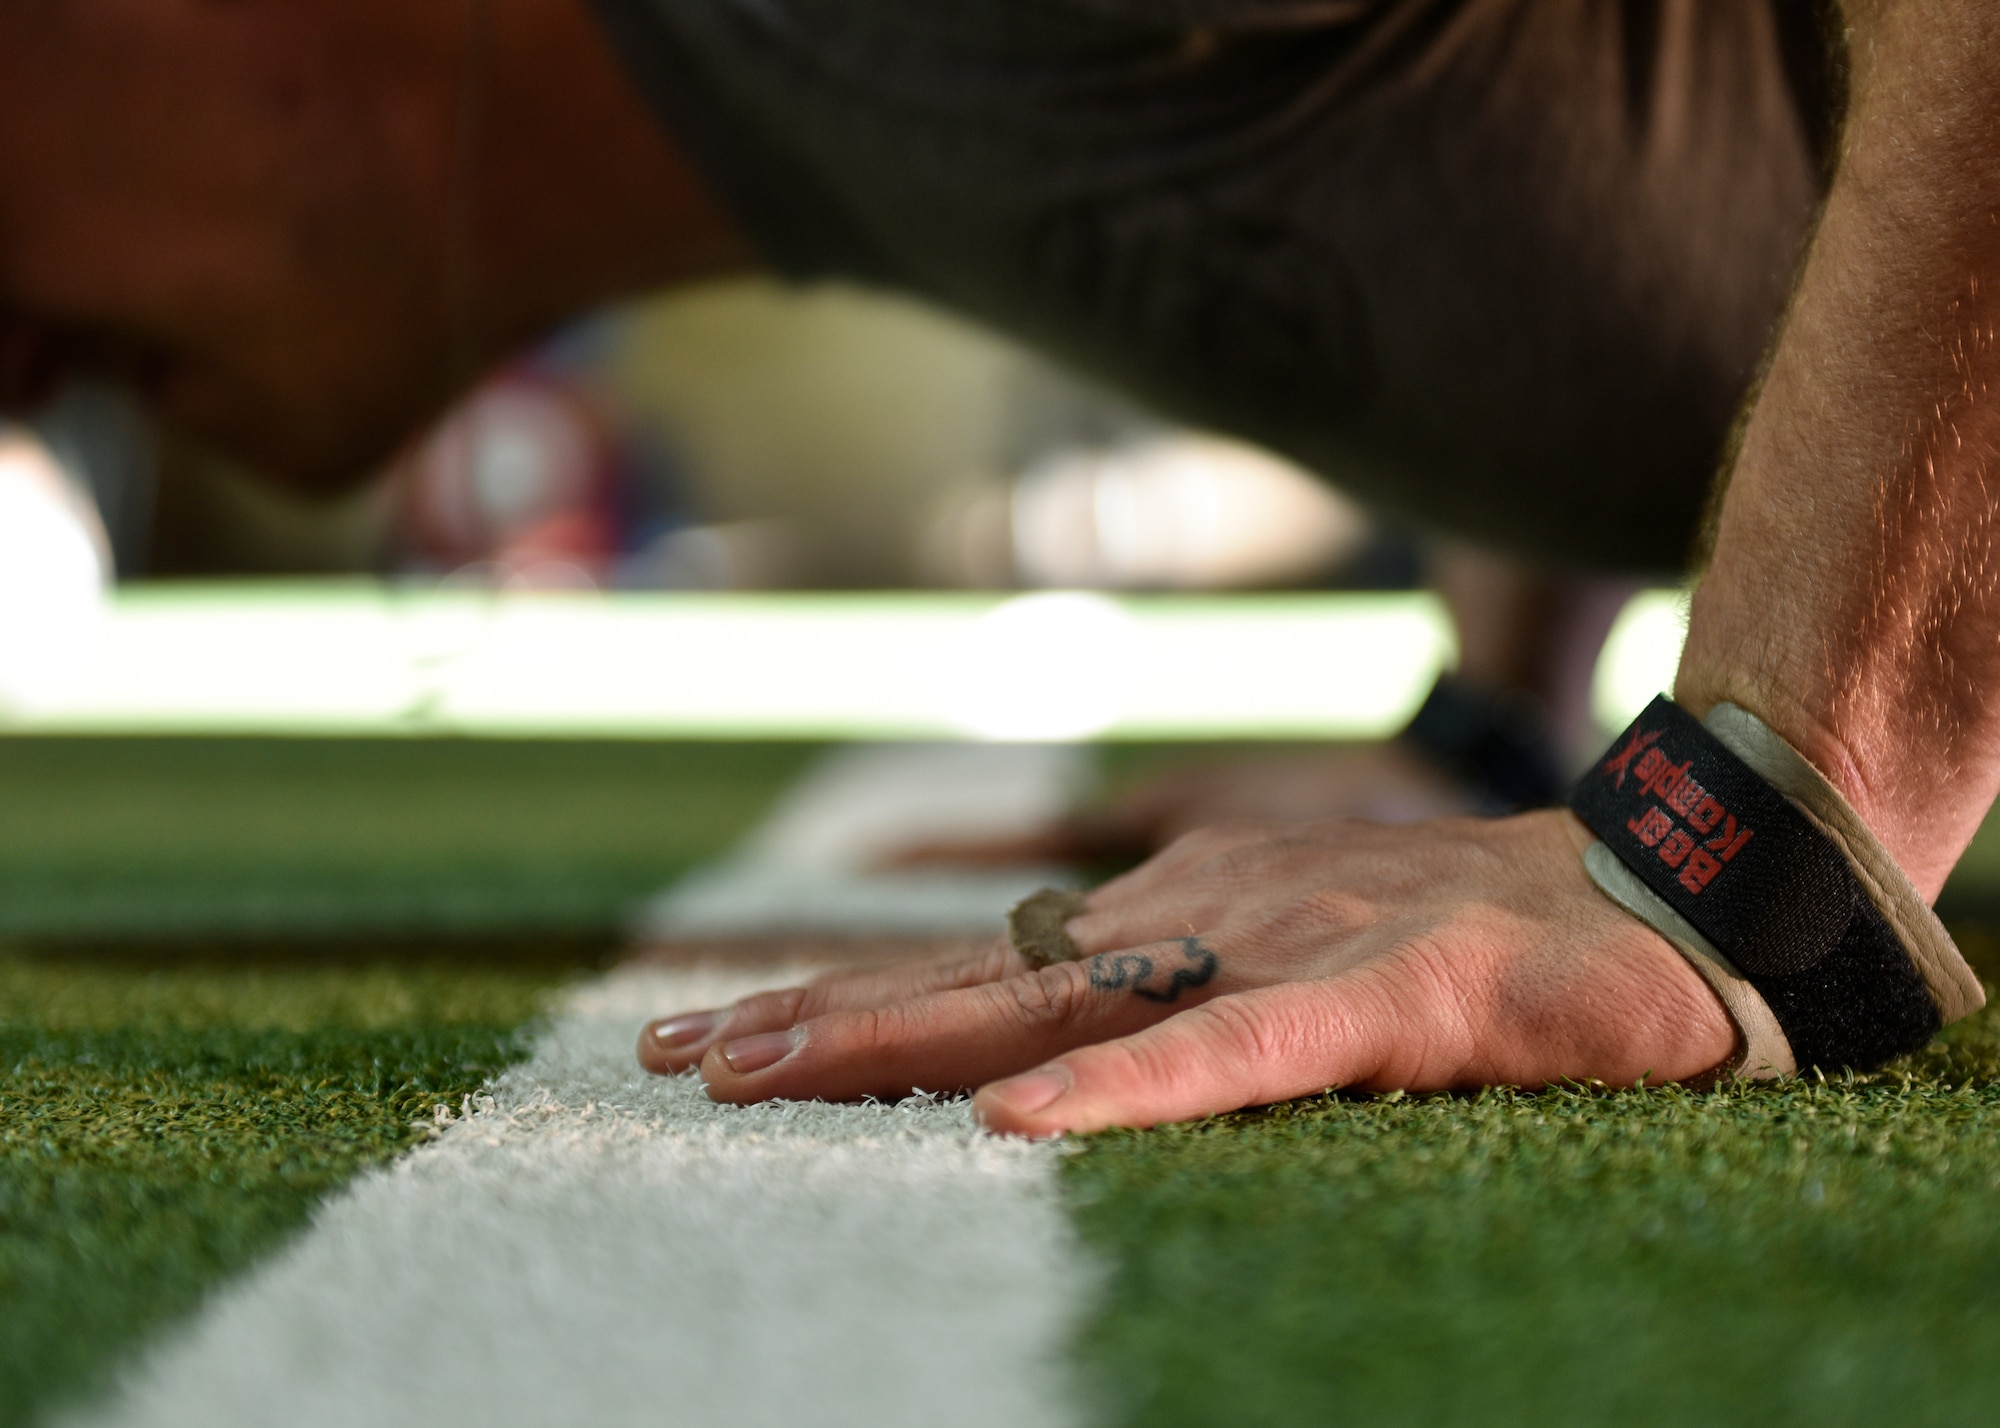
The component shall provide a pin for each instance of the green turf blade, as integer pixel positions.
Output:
(1824, 1254)
(160, 1130)
(177, 839)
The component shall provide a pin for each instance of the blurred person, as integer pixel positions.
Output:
(873, 442)
(829, 422)
(1508, 267)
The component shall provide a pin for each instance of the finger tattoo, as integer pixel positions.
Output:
(1201, 967)
(1127, 969)
(1111, 972)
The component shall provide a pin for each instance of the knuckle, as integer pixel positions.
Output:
(1128, 1064)
(988, 964)
(1243, 1035)
(1197, 839)
(1427, 1000)
(1317, 916)
(1211, 840)
(992, 964)
(873, 1029)
(1229, 1038)
(1271, 1050)
(1051, 995)
(787, 1006)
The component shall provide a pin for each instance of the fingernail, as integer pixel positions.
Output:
(1034, 1092)
(679, 1031)
(767, 1048)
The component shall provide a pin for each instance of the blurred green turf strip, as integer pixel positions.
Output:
(1824, 1254)
(160, 1129)
(163, 839)
(157, 840)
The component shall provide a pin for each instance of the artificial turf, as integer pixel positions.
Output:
(1813, 1252)
(157, 840)
(161, 1127)
(1822, 1253)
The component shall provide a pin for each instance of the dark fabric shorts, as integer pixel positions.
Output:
(1504, 268)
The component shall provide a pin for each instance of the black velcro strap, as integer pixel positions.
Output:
(1732, 855)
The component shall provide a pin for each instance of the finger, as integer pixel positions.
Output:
(955, 1039)
(673, 1044)
(1248, 1049)
(1195, 884)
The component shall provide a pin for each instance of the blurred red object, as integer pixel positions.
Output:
(522, 485)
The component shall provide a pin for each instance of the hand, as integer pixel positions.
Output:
(1386, 782)
(1251, 964)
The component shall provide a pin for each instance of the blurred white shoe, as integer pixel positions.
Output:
(55, 570)
(1178, 511)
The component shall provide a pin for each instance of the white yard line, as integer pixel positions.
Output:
(815, 866)
(593, 1246)
(589, 1245)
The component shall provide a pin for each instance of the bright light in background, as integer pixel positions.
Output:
(1043, 668)
(54, 566)
(362, 659)
(1640, 657)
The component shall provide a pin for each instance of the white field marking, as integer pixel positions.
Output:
(591, 1245)
(814, 865)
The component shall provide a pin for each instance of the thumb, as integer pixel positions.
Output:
(1244, 1050)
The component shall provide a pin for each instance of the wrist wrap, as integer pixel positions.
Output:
(1741, 879)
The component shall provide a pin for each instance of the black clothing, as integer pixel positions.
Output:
(1505, 267)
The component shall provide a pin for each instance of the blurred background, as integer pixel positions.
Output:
(665, 532)
(744, 436)
(739, 512)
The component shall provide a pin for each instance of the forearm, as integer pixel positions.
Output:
(1853, 597)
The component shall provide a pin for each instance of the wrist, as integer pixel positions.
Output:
(1722, 837)
(1845, 604)
(1906, 779)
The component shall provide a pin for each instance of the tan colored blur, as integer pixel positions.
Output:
(743, 435)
